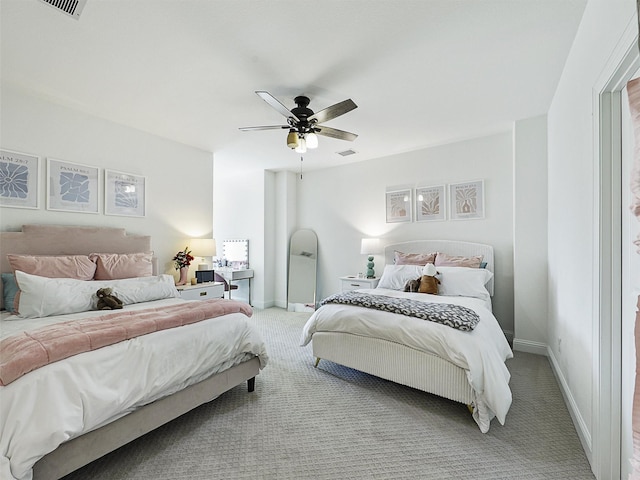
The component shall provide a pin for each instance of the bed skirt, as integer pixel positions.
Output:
(395, 362)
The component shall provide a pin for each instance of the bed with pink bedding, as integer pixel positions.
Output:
(76, 382)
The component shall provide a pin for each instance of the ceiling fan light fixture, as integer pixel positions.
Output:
(304, 124)
(312, 140)
(302, 145)
(292, 139)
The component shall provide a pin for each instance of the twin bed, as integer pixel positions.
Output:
(64, 414)
(465, 366)
(61, 416)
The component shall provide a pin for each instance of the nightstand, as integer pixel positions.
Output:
(202, 291)
(353, 283)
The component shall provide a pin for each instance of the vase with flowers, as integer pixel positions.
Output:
(182, 260)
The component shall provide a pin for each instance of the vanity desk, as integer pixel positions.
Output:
(231, 274)
(235, 254)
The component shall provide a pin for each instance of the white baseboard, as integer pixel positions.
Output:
(263, 305)
(530, 347)
(581, 427)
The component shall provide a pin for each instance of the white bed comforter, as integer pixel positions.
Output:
(65, 399)
(481, 352)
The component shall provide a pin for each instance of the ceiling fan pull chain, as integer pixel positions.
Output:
(301, 167)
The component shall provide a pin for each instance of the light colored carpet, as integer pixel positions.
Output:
(337, 423)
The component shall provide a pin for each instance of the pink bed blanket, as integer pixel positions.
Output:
(27, 351)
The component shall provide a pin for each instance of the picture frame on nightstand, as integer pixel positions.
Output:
(204, 276)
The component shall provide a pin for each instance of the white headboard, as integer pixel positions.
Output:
(450, 247)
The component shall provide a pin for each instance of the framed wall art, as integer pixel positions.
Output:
(72, 187)
(430, 203)
(124, 194)
(398, 204)
(19, 179)
(467, 200)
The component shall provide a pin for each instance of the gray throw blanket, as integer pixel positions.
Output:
(454, 316)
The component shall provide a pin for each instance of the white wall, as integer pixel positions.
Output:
(530, 234)
(573, 216)
(285, 194)
(243, 203)
(344, 204)
(178, 177)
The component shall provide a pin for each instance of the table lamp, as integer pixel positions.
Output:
(203, 247)
(370, 246)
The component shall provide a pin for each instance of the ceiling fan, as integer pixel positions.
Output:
(304, 124)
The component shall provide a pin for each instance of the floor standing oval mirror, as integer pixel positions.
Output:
(303, 262)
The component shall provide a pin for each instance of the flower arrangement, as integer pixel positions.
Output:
(183, 258)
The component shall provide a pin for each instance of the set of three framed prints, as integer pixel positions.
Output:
(71, 187)
(466, 201)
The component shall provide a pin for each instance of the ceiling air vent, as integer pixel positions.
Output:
(73, 8)
(346, 153)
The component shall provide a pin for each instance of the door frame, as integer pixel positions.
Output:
(607, 325)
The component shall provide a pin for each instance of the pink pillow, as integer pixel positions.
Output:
(79, 267)
(114, 266)
(413, 258)
(444, 260)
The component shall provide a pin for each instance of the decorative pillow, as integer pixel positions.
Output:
(400, 258)
(9, 290)
(444, 260)
(43, 297)
(80, 267)
(464, 281)
(395, 277)
(115, 266)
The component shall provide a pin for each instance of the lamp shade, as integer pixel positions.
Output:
(312, 140)
(292, 139)
(370, 246)
(203, 247)
(302, 145)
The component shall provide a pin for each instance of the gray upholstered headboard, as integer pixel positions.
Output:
(450, 247)
(69, 240)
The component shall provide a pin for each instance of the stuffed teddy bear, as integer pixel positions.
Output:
(107, 301)
(412, 285)
(428, 282)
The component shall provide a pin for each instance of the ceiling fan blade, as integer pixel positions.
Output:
(264, 127)
(275, 103)
(335, 133)
(333, 111)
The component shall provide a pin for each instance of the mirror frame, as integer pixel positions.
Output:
(306, 242)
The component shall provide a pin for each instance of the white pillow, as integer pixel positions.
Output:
(394, 277)
(464, 282)
(43, 297)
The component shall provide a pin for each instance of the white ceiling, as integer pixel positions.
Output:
(422, 72)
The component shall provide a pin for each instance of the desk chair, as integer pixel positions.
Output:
(227, 286)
